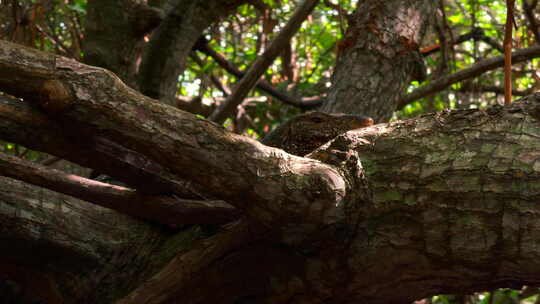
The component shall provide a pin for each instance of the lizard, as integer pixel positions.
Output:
(304, 133)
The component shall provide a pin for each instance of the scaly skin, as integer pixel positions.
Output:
(304, 133)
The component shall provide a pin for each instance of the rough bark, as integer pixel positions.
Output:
(385, 35)
(387, 214)
(159, 208)
(466, 219)
(61, 250)
(31, 128)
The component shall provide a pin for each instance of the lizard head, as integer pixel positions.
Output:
(304, 133)
(342, 121)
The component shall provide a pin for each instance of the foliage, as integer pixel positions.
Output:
(463, 17)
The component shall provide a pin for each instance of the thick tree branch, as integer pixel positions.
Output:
(58, 237)
(179, 279)
(260, 65)
(162, 209)
(430, 209)
(20, 217)
(456, 206)
(268, 180)
(477, 69)
(23, 124)
(145, 18)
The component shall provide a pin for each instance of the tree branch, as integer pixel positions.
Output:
(78, 95)
(191, 269)
(475, 87)
(165, 210)
(476, 34)
(303, 103)
(59, 237)
(475, 70)
(23, 124)
(435, 196)
(260, 65)
(195, 57)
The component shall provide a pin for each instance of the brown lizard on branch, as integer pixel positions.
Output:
(304, 133)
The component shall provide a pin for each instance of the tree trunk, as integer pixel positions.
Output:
(106, 21)
(151, 67)
(378, 57)
(169, 47)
